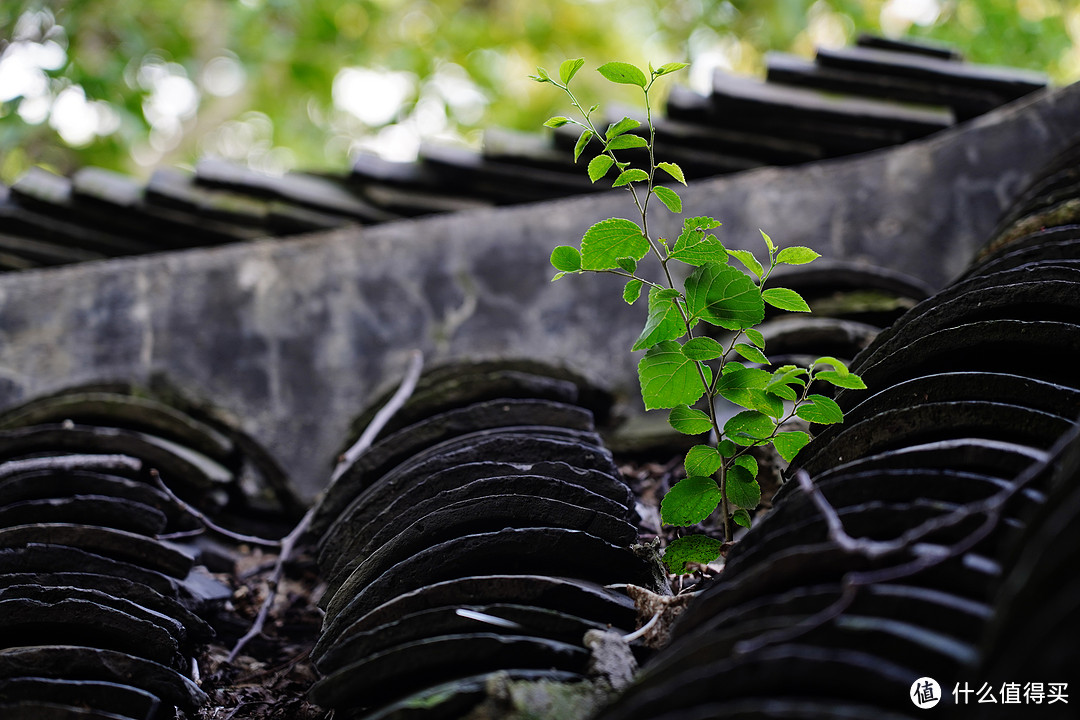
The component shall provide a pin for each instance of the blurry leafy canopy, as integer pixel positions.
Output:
(283, 112)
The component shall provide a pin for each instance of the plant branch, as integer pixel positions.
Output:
(207, 523)
(641, 208)
(924, 555)
(652, 164)
(630, 276)
(725, 504)
(288, 543)
(387, 411)
(861, 546)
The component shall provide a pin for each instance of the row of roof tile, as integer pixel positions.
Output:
(877, 94)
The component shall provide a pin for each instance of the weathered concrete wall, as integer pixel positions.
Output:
(295, 336)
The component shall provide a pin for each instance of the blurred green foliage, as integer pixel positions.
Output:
(132, 84)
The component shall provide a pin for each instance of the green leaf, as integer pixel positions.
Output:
(839, 375)
(625, 73)
(703, 348)
(541, 75)
(632, 291)
(669, 197)
(690, 501)
(582, 141)
(628, 264)
(566, 258)
(624, 125)
(556, 121)
(820, 409)
(785, 299)
(689, 421)
(768, 242)
(694, 247)
(742, 490)
(702, 222)
(702, 460)
(608, 240)
(673, 170)
(748, 463)
(782, 391)
(569, 69)
(627, 142)
(664, 321)
(669, 378)
(755, 337)
(723, 296)
(726, 448)
(664, 293)
(762, 402)
(628, 176)
(668, 68)
(557, 276)
(691, 549)
(796, 255)
(782, 379)
(748, 427)
(736, 473)
(747, 258)
(788, 444)
(741, 517)
(850, 381)
(599, 166)
(736, 386)
(791, 371)
(835, 363)
(767, 402)
(751, 353)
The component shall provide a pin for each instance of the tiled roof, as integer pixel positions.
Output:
(493, 494)
(874, 95)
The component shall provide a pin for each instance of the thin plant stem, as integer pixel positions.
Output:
(288, 543)
(206, 522)
(387, 411)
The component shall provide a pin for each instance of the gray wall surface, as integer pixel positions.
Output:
(294, 337)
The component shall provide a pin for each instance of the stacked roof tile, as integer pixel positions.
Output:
(472, 543)
(874, 95)
(99, 579)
